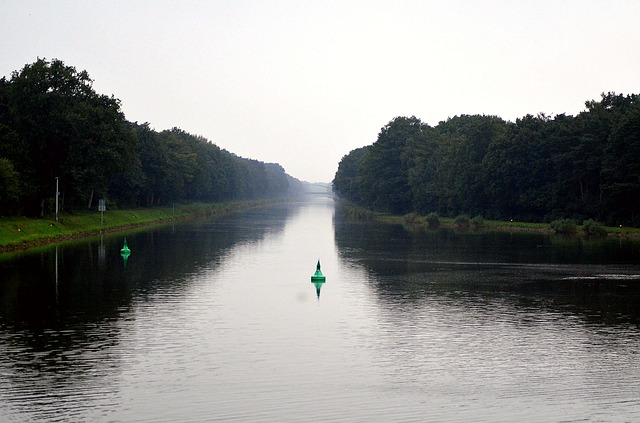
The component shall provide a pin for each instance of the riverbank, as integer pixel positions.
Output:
(414, 220)
(18, 233)
(509, 226)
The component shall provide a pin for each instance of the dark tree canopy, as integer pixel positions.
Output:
(54, 125)
(384, 178)
(539, 168)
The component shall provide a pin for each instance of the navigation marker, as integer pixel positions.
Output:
(318, 279)
(125, 252)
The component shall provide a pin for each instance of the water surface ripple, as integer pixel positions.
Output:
(217, 321)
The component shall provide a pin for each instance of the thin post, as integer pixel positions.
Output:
(57, 193)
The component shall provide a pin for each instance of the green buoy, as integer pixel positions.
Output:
(318, 279)
(125, 252)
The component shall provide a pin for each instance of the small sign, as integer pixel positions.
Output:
(101, 206)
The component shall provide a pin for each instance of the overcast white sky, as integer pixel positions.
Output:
(302, 83)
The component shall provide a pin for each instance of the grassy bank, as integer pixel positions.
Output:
(499, 225)
(447, 222)
(419, 221)
(20, 232)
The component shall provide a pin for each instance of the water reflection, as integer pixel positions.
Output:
(597, 279)
(501, 327)
(63, 308)
(69, 282)
(125, 252)
(217, 321)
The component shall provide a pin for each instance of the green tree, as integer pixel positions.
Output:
(423, 174)
(538, 168)
(70, 131)
(384, 175)
(277, 181)
(14, 185)
(621, 167)
(345, 182)
(168, 165)
(9, 188)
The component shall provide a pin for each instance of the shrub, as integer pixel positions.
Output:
(357, 213)
(411, 218)
(477, 221)
(462, 220)
(432, 219)
(593, 228)
(563, 226)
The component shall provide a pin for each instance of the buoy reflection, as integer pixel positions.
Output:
(125, 252)
(318, 279)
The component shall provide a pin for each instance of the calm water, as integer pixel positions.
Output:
(218, 321)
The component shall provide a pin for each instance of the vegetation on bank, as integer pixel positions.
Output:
(57, 135)
(21, 232)
(588, 228)
(536, 169)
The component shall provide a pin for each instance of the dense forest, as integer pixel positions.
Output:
(54, 125)
(540, 168)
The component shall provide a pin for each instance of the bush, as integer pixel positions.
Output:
(432, 219)
(477, 221)
(411, 218)
(462, 220)
(593, 228)
(564, 226)
(357, 213)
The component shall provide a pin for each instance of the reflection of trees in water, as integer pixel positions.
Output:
(43, 368)
(522, 270)
(58, 332)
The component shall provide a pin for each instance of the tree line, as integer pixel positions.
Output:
(54, 125)
(538, 168)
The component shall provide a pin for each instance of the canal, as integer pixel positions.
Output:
(218, 321)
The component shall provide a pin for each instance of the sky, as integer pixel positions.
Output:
(302, 83)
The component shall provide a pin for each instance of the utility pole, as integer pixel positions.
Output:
(57, 194)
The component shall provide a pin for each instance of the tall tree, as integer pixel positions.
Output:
(71, 132)
(345, 182)
(621, 167)
(384, 178)
(463, 142)
(539, 168)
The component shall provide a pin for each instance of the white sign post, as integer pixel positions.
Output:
(57, 195)
(102, 208)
